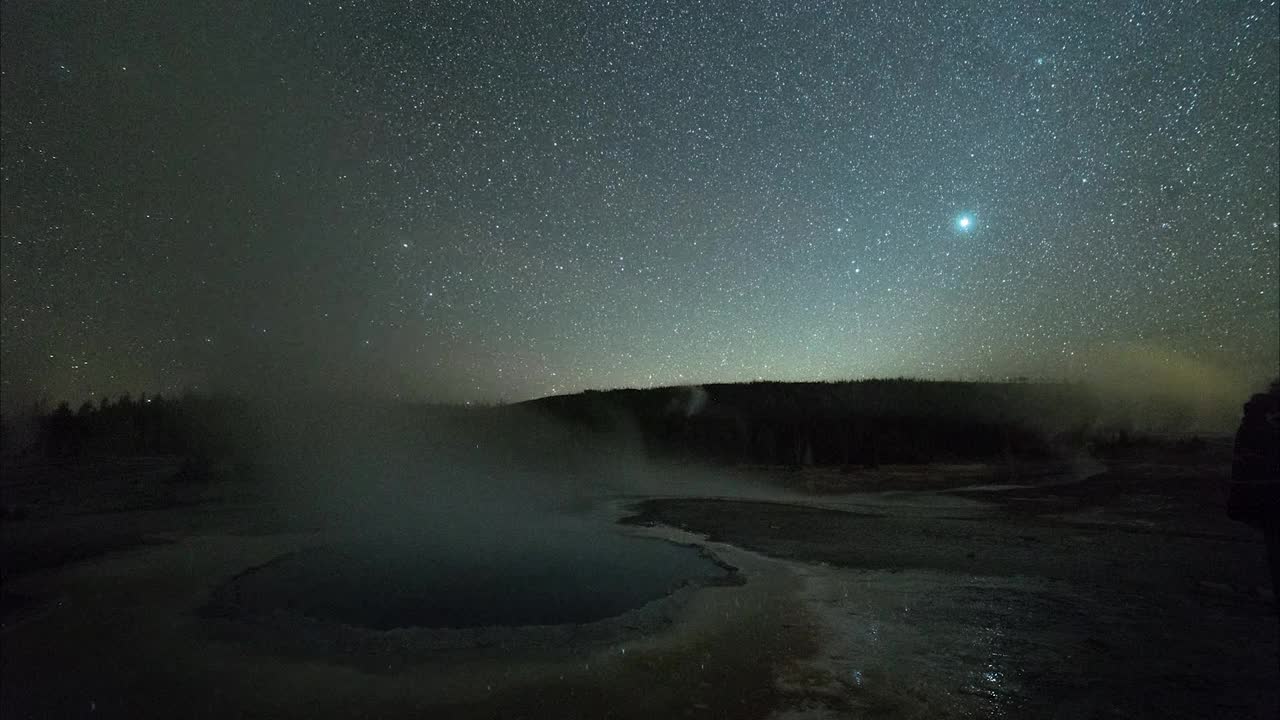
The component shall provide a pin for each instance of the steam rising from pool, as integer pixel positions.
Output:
(448, 524)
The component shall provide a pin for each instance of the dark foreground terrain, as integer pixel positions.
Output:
(1123, 594)
(1115, 588)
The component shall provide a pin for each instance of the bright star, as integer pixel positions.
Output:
(965, 223)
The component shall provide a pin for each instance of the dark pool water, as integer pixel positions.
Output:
(547, 581)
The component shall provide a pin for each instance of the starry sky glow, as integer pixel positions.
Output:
(502, 200)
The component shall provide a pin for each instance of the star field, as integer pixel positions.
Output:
(488, 201)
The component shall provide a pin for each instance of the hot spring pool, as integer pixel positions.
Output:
(388, 585)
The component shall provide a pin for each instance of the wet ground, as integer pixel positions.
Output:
(1099, 590)
(1123, 593)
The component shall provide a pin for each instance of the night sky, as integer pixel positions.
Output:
(471, 201)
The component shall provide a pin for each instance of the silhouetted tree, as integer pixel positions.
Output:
(62, 433)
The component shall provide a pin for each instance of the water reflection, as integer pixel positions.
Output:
(994, 680)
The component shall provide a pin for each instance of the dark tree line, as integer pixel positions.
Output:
(195, 426)
(851, 423)
(839, 423)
